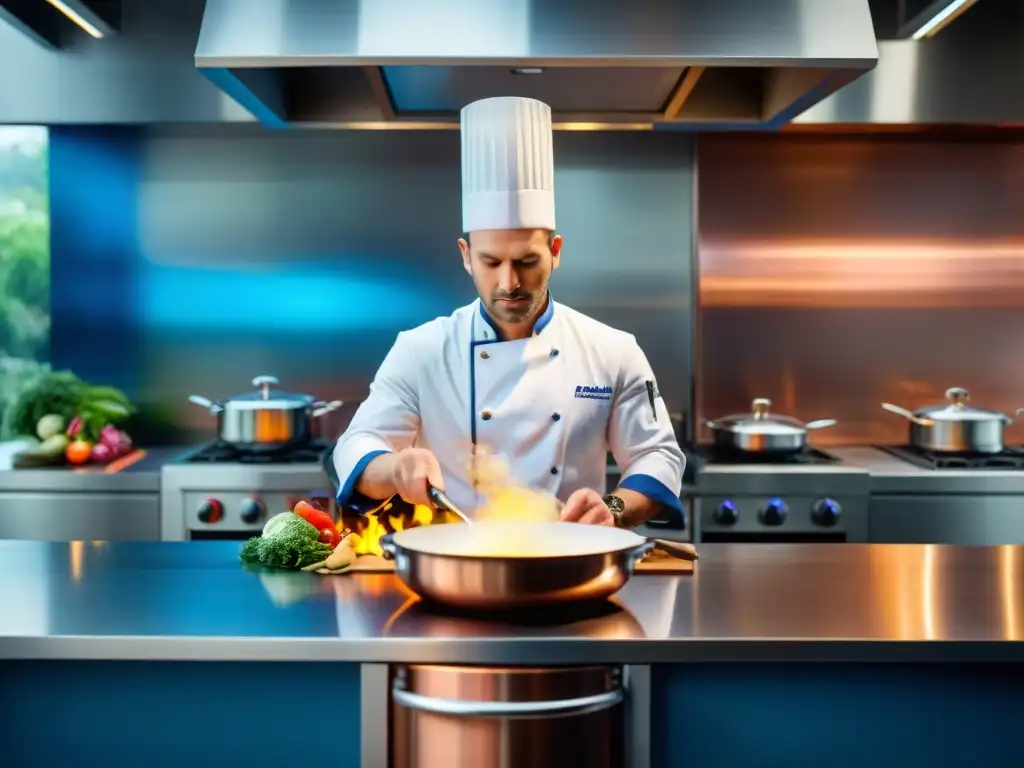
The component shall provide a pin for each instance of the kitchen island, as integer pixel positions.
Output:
(916, 653)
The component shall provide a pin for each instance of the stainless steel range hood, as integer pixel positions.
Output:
(599, 63)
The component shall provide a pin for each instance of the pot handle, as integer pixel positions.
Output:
(908, 415)
(511, 709)
(203, 402)
(820, 423)
(320, 408)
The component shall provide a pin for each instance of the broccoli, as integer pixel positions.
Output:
(293, 545)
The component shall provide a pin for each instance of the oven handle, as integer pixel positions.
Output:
(584, 705)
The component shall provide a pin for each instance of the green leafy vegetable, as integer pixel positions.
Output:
(53, 392)
(292, 545)
(62, 393)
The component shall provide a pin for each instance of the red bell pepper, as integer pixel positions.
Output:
(314, 516)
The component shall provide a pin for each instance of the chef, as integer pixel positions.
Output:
(514, 374)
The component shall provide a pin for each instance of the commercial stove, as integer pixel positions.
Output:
(923, 497)
(808, 496)
(218, 492)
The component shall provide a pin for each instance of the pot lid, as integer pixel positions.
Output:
(760, 421)
(267, 398)
(957, 409)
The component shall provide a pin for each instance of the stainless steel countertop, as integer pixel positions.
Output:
(141, 477)
(745, 602)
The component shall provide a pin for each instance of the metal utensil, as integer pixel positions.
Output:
(478, 566)
(266, 419)
(955, 427)
(442, 501)
(762, 431)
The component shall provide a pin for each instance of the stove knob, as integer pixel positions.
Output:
(825, 512)
(210, 511)
(726, 513)
(773, 512)
(253, 509)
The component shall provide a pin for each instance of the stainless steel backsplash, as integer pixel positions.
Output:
(303, 254)
(839, 272)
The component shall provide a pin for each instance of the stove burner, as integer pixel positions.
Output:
(713, 454)
(219, 452)
(1010, 458)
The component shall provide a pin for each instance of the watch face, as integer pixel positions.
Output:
(615, 504)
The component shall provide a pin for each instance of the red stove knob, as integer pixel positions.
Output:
(211, 511)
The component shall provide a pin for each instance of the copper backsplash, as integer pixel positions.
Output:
(840, 272)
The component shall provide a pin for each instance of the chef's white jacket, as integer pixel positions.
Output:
(552, 405)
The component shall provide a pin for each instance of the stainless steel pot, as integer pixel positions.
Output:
(464, 717)
(267, 419)
(501, 566)
(955, 427)
(762, 431)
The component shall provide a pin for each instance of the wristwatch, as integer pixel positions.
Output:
(617, 507)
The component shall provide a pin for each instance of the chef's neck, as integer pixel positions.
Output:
(517, 331)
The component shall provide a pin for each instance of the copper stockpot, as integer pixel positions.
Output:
(470, 717)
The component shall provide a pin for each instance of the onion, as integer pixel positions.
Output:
(101, 453)
(110, 436)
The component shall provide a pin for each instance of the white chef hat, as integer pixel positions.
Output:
(508, 168)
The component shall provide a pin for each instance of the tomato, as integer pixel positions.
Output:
(311, 514)
(78, 451)
(329, 536)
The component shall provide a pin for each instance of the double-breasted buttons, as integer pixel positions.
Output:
(484, 354)
(556, 416)
(486, 415)
(554, 353)
(554, 470)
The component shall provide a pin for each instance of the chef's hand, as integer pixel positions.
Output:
(413, 470)
(587, 506)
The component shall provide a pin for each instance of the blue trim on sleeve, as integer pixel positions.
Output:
(655, 490)
(348, 497)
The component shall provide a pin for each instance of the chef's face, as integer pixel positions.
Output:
(511, 269)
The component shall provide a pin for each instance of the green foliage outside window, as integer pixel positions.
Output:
(24, 257)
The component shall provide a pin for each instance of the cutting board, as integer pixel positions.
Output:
(664, 566)
(661, 565)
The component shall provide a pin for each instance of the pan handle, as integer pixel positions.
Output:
(637, 554)
(511, 709)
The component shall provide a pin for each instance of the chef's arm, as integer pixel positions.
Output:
(386, 422)
(377, 480)
(643, 443)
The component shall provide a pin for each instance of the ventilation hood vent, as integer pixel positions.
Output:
(598, 63)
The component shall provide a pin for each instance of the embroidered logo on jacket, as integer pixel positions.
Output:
(594, 393)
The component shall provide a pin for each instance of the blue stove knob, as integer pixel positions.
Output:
(773, 512)
(826, 512)
(726, 513)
